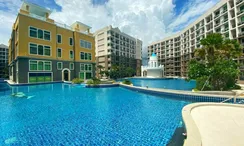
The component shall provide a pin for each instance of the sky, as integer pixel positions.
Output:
(148, 20)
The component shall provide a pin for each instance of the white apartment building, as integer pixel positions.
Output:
(174, 52)
(3, 58)
(114, 47)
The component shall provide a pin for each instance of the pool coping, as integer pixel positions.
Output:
(181, 92)
(193, 134)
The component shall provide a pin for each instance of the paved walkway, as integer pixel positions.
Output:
(220, 125)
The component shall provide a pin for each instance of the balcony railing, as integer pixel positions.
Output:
(238, 2)
(38, 17)
(240, 12)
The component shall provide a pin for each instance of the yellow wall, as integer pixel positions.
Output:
(24, 40)
(65, 46)
(78, 36)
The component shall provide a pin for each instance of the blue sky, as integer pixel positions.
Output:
(148, 20)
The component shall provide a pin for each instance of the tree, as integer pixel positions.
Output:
(214, 67)
(100, 67)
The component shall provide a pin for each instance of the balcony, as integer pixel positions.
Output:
(240, 23)
(238, 2)
(240, 12)
(217, 24)
(216, 16)
(241, 34)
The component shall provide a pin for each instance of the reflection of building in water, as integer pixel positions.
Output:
(153, 69)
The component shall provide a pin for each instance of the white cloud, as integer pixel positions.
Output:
(8, 13)
(148, 20)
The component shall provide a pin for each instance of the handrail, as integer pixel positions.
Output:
(205, 83)
(234, 97)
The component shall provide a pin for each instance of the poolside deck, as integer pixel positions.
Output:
(212, 124)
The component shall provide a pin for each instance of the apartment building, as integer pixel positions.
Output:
(114, 47)
(174, 52)
(3, 59)
(42, 50)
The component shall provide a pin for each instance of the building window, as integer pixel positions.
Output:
(39, 65)
(71, 66)
(40, 77)
(33, 32)
(85, 56)
(85, 44)
(59, 38)
(242, 19)
(47, 51)
(33, 65)
(33, 48)
(71, 54)
(40, 34)
(82, 55)
(59, 53)
(47, 35)
(86, 71)
(60, 65)
(40, 50)
(47, 66)
(71, 41)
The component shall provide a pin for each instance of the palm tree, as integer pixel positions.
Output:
(214, 45)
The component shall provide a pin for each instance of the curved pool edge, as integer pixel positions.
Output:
(193, 133)
(181, 93)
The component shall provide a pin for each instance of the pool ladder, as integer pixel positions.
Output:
(234, 97)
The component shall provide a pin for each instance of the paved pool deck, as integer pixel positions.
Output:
(214, 124)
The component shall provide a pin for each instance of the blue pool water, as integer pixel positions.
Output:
(62, 114)
(175, 84)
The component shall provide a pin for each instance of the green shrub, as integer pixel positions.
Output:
(89, 82)
(127, 82)
(77, 81)
(96, 81)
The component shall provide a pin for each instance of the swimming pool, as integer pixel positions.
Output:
(175, 84)
(63, 114)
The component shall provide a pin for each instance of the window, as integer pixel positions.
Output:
(85, 56)
(40, 50)
(82, 55)
(242, 19)
(71, 54)
(33, 32)
(47, 35)
(59, 38)
(85, 44)
(60, 65)
(39, 65)
(47, 66)
(59, 53)
(86, 71)
(85, 67)
(33, 48)
(40, 34)
(71, 41)
(71, 66)
(89, 56)
(33, 65)
(242, 8)
(40, 77)
(47, 51)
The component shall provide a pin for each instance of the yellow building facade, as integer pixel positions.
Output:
(42, 50)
